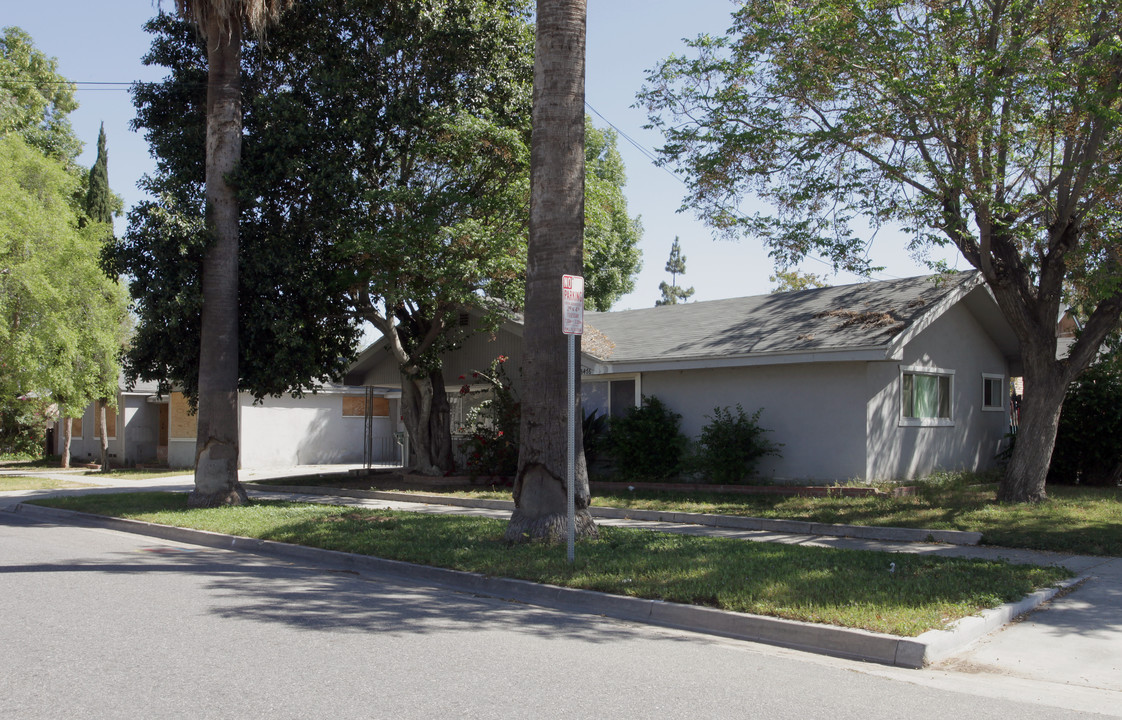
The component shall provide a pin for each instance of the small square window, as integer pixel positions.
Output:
(993, 392)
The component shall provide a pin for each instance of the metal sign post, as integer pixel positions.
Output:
(572, 324)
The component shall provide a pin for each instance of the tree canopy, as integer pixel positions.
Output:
(611, 237)
(63, 318)
(993, 126)
(295, 327)
(35, 100)
(384, 177)
(794, 280)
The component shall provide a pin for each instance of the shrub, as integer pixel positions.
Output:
(594, 432)
(492, 444)
(647, 443)
(23, 423)
(1089, 439)
(731, 445)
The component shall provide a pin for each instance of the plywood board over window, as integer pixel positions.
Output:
(110, 422)
(182, 424)
(76, 428)
(354, 406)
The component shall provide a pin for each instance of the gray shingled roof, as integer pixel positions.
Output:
(848, 317)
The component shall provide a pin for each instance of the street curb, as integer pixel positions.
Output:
(811, 637)
(734, 522)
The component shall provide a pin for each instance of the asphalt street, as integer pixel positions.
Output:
(102, 624)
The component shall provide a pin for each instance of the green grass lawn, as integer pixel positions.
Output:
(1085, 521)
(841, 587)
(9, 483)
(1077, 520)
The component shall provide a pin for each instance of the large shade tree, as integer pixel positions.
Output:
(990, 125)
(407, 124)
(295, 329)
(221, 24)
(63, 319)
(404, 205)
(383, 178)
(557, 166)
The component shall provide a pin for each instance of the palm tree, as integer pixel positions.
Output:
(221, 23)
(556, 248)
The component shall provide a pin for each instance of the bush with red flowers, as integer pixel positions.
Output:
(491, 447)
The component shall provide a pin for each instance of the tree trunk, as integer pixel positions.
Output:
(67, 431)
(556, 248)
(103, 433)
(216, 449)
(428, 421)
(1045, 387)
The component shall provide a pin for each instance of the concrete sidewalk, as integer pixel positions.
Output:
(1075, 638)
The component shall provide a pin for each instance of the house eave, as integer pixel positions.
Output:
(871, 353)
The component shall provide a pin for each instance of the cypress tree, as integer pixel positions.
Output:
(99, 198)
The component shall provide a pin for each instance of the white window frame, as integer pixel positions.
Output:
(1002, 392)
(637, 377)
(927, 422)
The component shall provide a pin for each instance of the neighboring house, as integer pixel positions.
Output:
(322, 428)
(877, 381)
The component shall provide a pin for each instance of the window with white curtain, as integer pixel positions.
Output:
(926, 396)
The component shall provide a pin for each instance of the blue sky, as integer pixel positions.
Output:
(103, 43)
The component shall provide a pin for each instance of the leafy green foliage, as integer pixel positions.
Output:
(793, 281)
(296, 329)
(595, 437)
(1089, 441)
(23, 422)
(491, 447)
(996, 128)
(647, 442)
(836, 110)
(64, 320)
(731, 444)
(35, 99)
(611, 237)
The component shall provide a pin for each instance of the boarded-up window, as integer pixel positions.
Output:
(354, 406)
(76, 428)
(182, 424)
(110, 422)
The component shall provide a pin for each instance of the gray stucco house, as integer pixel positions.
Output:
(881, 380)
(326, 427)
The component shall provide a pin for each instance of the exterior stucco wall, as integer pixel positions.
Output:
(954, 342)
(141, 421)
(87, 447)
(816, 411)
(283, 432)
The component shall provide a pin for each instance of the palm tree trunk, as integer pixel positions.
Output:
(556, 248)
(216, 449)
